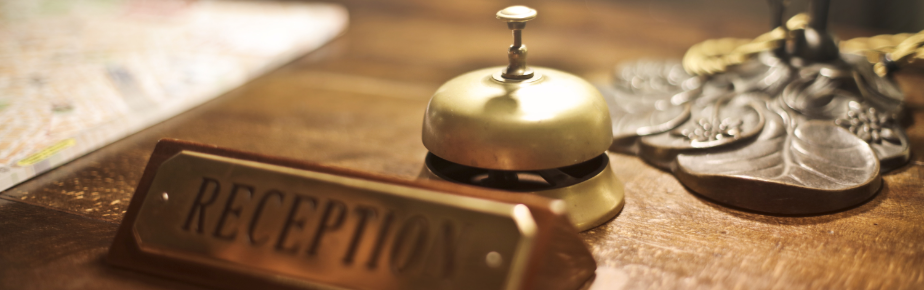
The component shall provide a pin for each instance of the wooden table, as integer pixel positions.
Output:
(359, 101)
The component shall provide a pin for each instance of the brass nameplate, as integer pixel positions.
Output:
(235, 221)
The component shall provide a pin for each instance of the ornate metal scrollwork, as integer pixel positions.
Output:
(788, 129)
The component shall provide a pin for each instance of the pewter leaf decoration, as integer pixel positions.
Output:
(649, 98)
(768, 136)
(820, 159)
(707, 120)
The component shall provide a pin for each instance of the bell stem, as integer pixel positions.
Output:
(516, 69)
(516, 17)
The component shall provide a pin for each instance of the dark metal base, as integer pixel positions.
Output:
(524, 181)
(591, 192)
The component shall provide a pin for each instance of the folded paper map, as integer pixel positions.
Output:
(77, 75)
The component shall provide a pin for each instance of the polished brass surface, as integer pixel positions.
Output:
(298, 228)
(554, 119)
(593, 201)
(714, 56)
(517, 14)
(889, 52)
(322, 228)
(516, 17)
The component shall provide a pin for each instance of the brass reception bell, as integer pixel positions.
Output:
(525, 129)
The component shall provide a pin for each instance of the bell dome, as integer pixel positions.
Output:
(552, 119)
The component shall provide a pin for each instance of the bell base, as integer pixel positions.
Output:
(592, 202)
(590, 190)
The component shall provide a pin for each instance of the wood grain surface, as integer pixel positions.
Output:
(359, 102)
